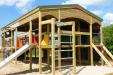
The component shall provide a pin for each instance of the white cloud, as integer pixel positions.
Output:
(23, 5)
(97, 12)
(7, 2)
(86, 3)
(108, 19)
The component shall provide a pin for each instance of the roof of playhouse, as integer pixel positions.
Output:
(54, 7)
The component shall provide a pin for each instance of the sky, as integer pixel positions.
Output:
(12, 9)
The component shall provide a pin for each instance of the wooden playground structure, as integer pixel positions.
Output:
(59, 33)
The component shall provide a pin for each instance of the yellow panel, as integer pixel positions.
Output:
(45, 41)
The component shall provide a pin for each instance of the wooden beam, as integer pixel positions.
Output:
(65, 23)
(79, 49)
(79, 56)
(9, 48)
(46, 22)
(74, 49)
(82, 45)
(59, 40)
(16, 31)
(9, 38)
(53, 47)
(101, 41)
(12, 38)
(12, 41)
(101, 35)
(101, 55)
(48, 51)
(91, 49)
(40, 39)
(30, 41)
(3, 44)
(23, 34)
(108, 52)
(77, 33)
(82, 33)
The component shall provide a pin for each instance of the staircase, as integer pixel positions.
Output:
(106, 55)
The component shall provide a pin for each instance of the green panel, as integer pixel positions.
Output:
(37, 53)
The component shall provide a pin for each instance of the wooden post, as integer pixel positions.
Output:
(79, 50)
(101, 35)
(12, 41)
(3, 44)
(16, 30)
(48, 57)
(53, 47)
(48, 51)
(59, 40)
(101, 43)
(79, 57)
(30, 41)
(40, 38)
(74, 49)
(91, 49)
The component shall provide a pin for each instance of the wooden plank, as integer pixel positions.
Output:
(101, 55)
(64, 23)
(23, 34)
(77, 33)
(9, 48)
(53, 48)
(49, 46)
(82, 33)
(101, 41)
(74, 49)
(8, 38)
(4, 42)
(59, 40)
(12, 41)
(108, 52)
(46, 22)
(16, 31)
(40, 39)
(82, 46)
(48, 51)
(65, 32)
(79, 50)
(101, 35)
(48, 57)
(30, 41)
(99, 45)
(91, 49)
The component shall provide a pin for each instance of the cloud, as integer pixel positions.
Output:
(104, 4)
(108, 19)
(97, 12)
(7, 2)
(22, 5)
(86, 3)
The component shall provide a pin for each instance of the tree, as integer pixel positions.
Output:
(108, 37)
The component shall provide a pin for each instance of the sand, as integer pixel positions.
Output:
(21, 68)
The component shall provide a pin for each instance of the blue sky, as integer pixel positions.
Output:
(12, 9)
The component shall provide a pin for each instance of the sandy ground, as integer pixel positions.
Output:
(23, 69)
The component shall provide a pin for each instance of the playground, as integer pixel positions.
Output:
(23, 69)
(55, 39)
